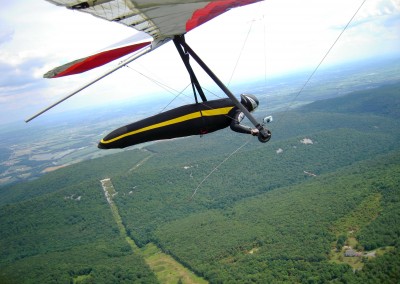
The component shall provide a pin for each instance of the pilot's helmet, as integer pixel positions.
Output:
(249, 101)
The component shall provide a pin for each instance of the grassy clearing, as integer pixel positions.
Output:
(355, 262)
(347, 226)
(166, 268)
(80, 279)
(365, 213)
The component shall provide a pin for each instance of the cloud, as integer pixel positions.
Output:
(382, 8)
(372, 33)
(18, 72)
(20, 88)
(6, 33)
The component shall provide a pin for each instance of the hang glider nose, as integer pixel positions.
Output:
(94, 61)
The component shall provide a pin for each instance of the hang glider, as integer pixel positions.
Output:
(162, 20)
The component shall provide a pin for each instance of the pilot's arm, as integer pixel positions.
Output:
(237, 118)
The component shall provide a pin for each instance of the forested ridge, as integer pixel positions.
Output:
(275, 212)
(287, 228)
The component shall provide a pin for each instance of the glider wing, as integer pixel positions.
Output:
(93, 61)
(160, 19)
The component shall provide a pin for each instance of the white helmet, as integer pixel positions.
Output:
(249, 101)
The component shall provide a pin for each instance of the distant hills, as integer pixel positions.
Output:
(285, 211)
(383, 101)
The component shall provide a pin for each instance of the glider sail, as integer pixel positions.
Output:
(162, 20)
(93, 61)
(159, 19)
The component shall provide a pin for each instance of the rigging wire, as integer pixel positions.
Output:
(265, 51)
(213, 170)
(174, 98)
(240, 53)
(173, 91)
(167, 88)
(158, 83)
(248, 140)
(322, 60)
(297, 95)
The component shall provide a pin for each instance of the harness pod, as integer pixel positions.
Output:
(187, 120)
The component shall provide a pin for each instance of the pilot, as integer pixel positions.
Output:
(187, 120)
(251, 103)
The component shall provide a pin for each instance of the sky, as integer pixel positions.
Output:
(263, 40)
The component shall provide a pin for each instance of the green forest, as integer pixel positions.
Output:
(318, 203)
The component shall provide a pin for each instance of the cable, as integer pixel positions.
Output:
(176, 96)
(305, 84)
(322, 60)
(167, 88)
(240, 53)
(174, 92)
(233, 72)
(158, 83)
(226, 159)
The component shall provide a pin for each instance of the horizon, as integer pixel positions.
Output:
(160, 99)
(59, 139)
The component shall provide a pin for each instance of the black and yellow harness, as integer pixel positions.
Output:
(187, 120)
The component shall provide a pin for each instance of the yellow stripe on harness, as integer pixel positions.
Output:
(197, 114)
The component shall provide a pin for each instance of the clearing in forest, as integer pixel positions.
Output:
(166, 268)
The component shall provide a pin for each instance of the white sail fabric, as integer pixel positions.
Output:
(159, 19)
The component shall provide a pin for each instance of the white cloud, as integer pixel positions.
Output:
(380, 8)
